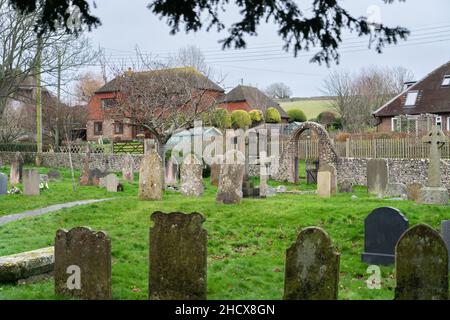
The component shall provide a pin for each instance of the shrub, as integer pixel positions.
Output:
(273, 116)
(256, 116)
(240, 119)
(326, 118)
(296, 115)
(21, 147)
(221, 119)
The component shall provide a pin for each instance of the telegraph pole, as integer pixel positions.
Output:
(39, 96)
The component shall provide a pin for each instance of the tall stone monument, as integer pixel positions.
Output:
(151, 177)
(434, 192)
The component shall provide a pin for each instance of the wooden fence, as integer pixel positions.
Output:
(402, 148)
(134, 147)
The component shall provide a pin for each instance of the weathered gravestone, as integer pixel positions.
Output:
(171, 175)
(3, 184)
(346, 186)
(312, 267)
(396, 190)
(127, 168)
(112, 182)
(326, 181)
(215, 174)
(15, 176)
(83, 264)
(382, 229)
(191, 177)
(377, 176)
(151, 177)
(421, 265)
(413, 190)
(178, 257)
(31, 180)
(445, 233)
(230, 183)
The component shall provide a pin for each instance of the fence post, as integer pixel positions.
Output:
(347, 148)
(375, 155)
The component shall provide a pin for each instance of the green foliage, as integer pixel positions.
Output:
(240, 119)
(296, 115)
(256, 115)
(273, 116)
(221, 119)
(22, 147)
(326, 118)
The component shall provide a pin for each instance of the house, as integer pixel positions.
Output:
(249, 98)
(431, 95)
(101, 126)
(206, 133)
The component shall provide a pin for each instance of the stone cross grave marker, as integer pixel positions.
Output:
(151, 177)
(434, 193)
(230, 183)
(83, 264)
(382, 229)
(178, 257)
(31, 180)
(112, 182)
(377, 176)
(421, 265)
(3, 184)
(312, 267)
(445, 233)
(191, 177)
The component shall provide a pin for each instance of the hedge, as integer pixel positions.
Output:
(221, 119)
(296, 115)
(273, 116)
(240, 119)
(256, 116)
(21, 147)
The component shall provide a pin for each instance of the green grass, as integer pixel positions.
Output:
(246, 242)
(311, 107)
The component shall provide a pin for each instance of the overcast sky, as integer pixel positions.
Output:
(127, 24)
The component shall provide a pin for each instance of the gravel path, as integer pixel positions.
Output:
(38, 212)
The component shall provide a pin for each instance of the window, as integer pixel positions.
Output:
(98, 128)
(118, 128)
(108, 103)
(411, 98)
(395, 124)
(448, 123)
(446, 81)
(439, 122)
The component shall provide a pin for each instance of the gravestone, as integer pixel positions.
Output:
(346, 186)
(83, 264)
(312, 267)
(396, 190)
(127, 168)
(445, 233)
(178, 257)
(171, 176)
(326, 181)
(382, 229)
(151, 177)
(102, 182)
(31, 180)
(434, 192)
(421, 265)
(112, 182)
(191, 177)
(377, 176)
(54, 175)
(16, 169)
(215, 174)
(230, 183)
(413, 190)
(95, 175)
(85, 177)
(3, 184)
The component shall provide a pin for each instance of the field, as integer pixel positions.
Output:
(246, 242)
(312, 107)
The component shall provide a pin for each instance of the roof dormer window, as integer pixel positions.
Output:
(446, 81)
(411, 98)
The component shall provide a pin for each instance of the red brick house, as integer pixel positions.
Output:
(249, 98)
(101, 126)
(431, 95)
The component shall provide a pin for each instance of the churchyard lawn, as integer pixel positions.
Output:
(246, 242)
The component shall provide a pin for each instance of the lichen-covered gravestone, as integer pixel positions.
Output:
(151, 177)
(191, 177)
(3, 184)
(178, 257)
(445, 233)
(16, 169)
(230, 183)
(127, 168)
(312, 267)
(31, 180)
(377, 176)
(215, 174)
(421, 265)
(382, 229)
(413, 190)
(83, 264)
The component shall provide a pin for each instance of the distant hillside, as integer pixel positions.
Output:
(311, 106)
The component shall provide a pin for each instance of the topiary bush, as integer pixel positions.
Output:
(240, 119)
(296, 115)
(221, 119)
(273, 116)
(256, 115)
(326, 118)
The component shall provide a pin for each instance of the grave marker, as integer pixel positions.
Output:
(151, 177)
(31, 180)
(3, 184)
(445, 233)
(230, 183)
(191, 177)
(377, 176)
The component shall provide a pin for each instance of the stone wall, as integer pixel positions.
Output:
(400, 171)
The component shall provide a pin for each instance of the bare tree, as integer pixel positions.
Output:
(11, 127)
(358, 95)
(278, 90)
(86, 86)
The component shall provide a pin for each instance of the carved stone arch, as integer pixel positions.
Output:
(327, 153)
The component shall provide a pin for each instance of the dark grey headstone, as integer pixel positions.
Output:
(383, 227)
(3, 184)
(445, 233)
